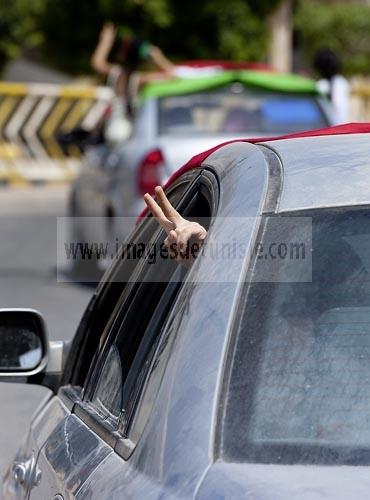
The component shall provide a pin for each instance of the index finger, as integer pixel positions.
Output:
(157, 213)
(169, 211)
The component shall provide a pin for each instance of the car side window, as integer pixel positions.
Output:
(102, 309)
(136, 338)
(108, 395)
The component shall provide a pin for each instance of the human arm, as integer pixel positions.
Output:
(166, 70)
(160, 60)
(99, 59)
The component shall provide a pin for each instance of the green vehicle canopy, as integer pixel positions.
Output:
(266, 80)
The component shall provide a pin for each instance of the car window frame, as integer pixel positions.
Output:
(129, 288)
(106, 292)
(209, 187)
(82, 407)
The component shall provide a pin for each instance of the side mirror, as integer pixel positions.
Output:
(23, 343)
(26, 356)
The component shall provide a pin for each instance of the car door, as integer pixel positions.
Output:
(88, 420)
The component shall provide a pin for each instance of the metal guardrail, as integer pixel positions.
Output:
(31, 117)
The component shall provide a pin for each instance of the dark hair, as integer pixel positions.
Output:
(327, 63)
(130, 52)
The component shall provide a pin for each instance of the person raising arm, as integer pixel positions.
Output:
(130, 53)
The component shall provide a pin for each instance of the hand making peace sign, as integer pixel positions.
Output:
(184, 238)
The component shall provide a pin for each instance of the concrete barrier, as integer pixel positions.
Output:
(31, 117)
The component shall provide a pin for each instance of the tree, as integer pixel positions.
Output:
(281, 36)
(343, 27)
(19, 27)
(65, 31)
(212, 29)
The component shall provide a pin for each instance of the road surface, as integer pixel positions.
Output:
(28, 255)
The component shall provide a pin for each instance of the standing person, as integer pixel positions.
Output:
(333, 83)
(123, 75)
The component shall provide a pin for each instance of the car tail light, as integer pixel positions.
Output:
(150, 171)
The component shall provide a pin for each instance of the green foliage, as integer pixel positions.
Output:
(215, 30)
(19, 27)
(71, 30)
(66, 31)
(263, 8)
(345, 28)
(241, 33)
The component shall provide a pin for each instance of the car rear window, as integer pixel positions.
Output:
(299, 387)
(238, 110)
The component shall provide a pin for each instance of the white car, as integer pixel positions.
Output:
(175, 120)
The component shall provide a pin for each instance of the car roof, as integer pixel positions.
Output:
(267, 80)
(345, 129)
(327, 171)
(225, 64)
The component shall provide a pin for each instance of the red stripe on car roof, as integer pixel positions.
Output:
(224, 64)
(197, 160)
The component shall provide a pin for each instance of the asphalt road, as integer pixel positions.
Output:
(28, 259)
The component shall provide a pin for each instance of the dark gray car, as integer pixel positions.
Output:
(244, 376)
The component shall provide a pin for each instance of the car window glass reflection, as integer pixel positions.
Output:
(304, 367)
(107, 397)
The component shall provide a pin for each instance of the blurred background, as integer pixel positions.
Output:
(49, 88)
(60, 35)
